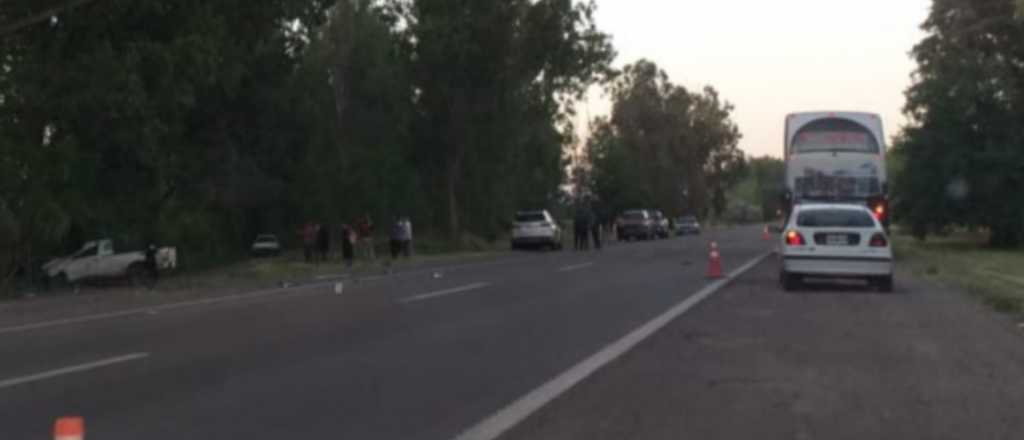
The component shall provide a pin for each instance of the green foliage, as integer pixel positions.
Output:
(963, 155)
(494, 83)
(202, 124)
(762, 185)
(663, 146)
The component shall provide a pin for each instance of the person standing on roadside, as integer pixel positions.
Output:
(347, 244)
(308, 240)
(407, 236)
(581, 229)
(151, 266)
(595, 229)
(365, 227)
(323, 242)
(397, 238)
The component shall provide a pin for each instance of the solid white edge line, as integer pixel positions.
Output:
(444, 292)
(72, 369)
(498, 423)
(573, 267)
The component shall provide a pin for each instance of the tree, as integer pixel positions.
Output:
(663, 145)
(965, 138)
(493, 79)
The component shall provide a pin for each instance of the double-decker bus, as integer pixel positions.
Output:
(836, 157)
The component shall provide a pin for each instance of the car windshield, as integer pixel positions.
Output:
(827, 218)
(633, 215)
(688, 219)
(530, 217)
(266, 239)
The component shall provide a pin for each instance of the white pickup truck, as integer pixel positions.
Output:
(97, 260)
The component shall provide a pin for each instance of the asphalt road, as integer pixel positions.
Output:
(834, 361)
(473, 349)
(416, 355)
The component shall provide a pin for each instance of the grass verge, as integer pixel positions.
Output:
(962, 260)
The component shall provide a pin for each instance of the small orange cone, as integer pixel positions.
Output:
(766, 236)
(69, 428)
(715, 262)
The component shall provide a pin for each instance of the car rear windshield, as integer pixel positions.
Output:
(524, 217)
(633, 215)
(688, 219)
(266, 239)
(829, 218)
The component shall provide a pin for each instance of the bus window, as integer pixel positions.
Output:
(832, 135)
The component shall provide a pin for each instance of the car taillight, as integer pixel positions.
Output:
(879, 209)
(794, 238)
(878, 240)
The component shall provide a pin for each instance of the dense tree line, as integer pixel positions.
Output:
(962, 156)
(200, 124)
(662, 146)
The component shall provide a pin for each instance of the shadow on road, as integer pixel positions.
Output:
(825, 286)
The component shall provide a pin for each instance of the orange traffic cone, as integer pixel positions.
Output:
(766, 236)
(69, 428)
(715, 262)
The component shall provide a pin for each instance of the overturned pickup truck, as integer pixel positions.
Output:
(97, 260)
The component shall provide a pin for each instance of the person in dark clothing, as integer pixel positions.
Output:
(581, 229)
(151, 266)
(347, 244)
(595, 231)
(308, 241)
(323, 242)
(397, 239)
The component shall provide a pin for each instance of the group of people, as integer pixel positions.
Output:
(586, 225)
(356, 238)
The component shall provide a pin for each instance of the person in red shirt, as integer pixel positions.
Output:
(308, 240)
(365, 230)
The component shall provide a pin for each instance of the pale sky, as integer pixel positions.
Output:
(773, 57)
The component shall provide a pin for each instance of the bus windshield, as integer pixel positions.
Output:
(832, 135)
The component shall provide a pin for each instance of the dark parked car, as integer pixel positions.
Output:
(687, 224)
(636, 224)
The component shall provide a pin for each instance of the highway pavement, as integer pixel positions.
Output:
(630, 342)
(424, 354)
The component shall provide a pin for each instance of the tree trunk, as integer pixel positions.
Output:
(453, 204)
(458, 133)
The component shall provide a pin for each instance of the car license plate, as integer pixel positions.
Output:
(837, 240)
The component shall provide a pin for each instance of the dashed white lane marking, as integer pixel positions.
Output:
(492, 427)
(573, 267)
(445, 292)
(155, 309)
(70, 370)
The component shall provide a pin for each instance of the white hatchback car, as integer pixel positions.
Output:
(835, 240)
(536, 229)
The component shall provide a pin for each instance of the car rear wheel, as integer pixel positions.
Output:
(884, 284)
(58, 282)
(790, 281)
